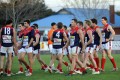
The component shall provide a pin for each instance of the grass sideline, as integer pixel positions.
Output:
(41, 75)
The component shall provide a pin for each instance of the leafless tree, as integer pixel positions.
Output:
(19, 10)
(87, 8)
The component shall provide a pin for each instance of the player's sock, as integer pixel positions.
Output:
(58, 67)
(21, 69)
(90, 65)
(45, 65)
(71, 72)
(103, 61)
(71, 61)
(77, 69)
(65, 63)
(97, 61)
(113, 62)
(82, 69)
(30, 70)
(96, 69)
(8, 72)
(27, 67)
(1, 70)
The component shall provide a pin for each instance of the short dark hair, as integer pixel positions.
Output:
(22, 24)
(94, 20)
(33, 26)
(9, 22)
(75, 20)
(80, 22)
(65, 26)
(104, 18)
(36, 25)
(59, 25)
(70, 25)
(53, 23)
(28, 21)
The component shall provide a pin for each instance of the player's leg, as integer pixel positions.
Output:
(2, 56)
(60, 56)
(20, 63)
(10, 51)
(108, 51)
(30, 59)
(40, 60)
(93, 62)
(95, 54)
(22, 58)
(103, 60)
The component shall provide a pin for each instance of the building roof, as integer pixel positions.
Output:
(46, 22)
(65, 16)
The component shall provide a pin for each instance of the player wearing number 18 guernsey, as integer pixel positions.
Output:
(8, 39)
(108, 34)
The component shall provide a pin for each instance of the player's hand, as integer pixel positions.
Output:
(16, 51)
(108, 40)
(27, 46)
(83, 49)
(100, 46)
(64, 47)
(85, 46)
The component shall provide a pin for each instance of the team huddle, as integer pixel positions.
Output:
(80, 44)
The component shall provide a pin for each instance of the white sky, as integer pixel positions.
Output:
(57, 4)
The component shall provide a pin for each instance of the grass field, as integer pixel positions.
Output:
(41, 75)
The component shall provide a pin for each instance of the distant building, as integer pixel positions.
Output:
(65, 15)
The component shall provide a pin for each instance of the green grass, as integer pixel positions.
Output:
(41, 75)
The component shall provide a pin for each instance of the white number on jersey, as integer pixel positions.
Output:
(7, 30)
(58, 34)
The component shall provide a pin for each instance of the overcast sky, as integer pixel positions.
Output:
(57, 4)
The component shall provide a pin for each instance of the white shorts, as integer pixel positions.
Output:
(67, 51)
(13, 54)
(107, 46)
(57, 51)
(96, 47)
(36, 51)
(75, 50)
(6, 49)
(26, 50)
(50, 48)
(89, 50)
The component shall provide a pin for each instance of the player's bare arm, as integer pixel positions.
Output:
(90, 38)
(37, 39)
(66, 39)
(81, 35)
(100, 35)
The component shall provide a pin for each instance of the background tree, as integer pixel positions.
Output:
(88, 8)
(19, 10)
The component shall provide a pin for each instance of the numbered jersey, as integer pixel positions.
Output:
(58, 39)
(105, 33)
(6, 36)
(96, 36)
(38, 45)
(74, 37)
(87, 38)
(27, 35)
